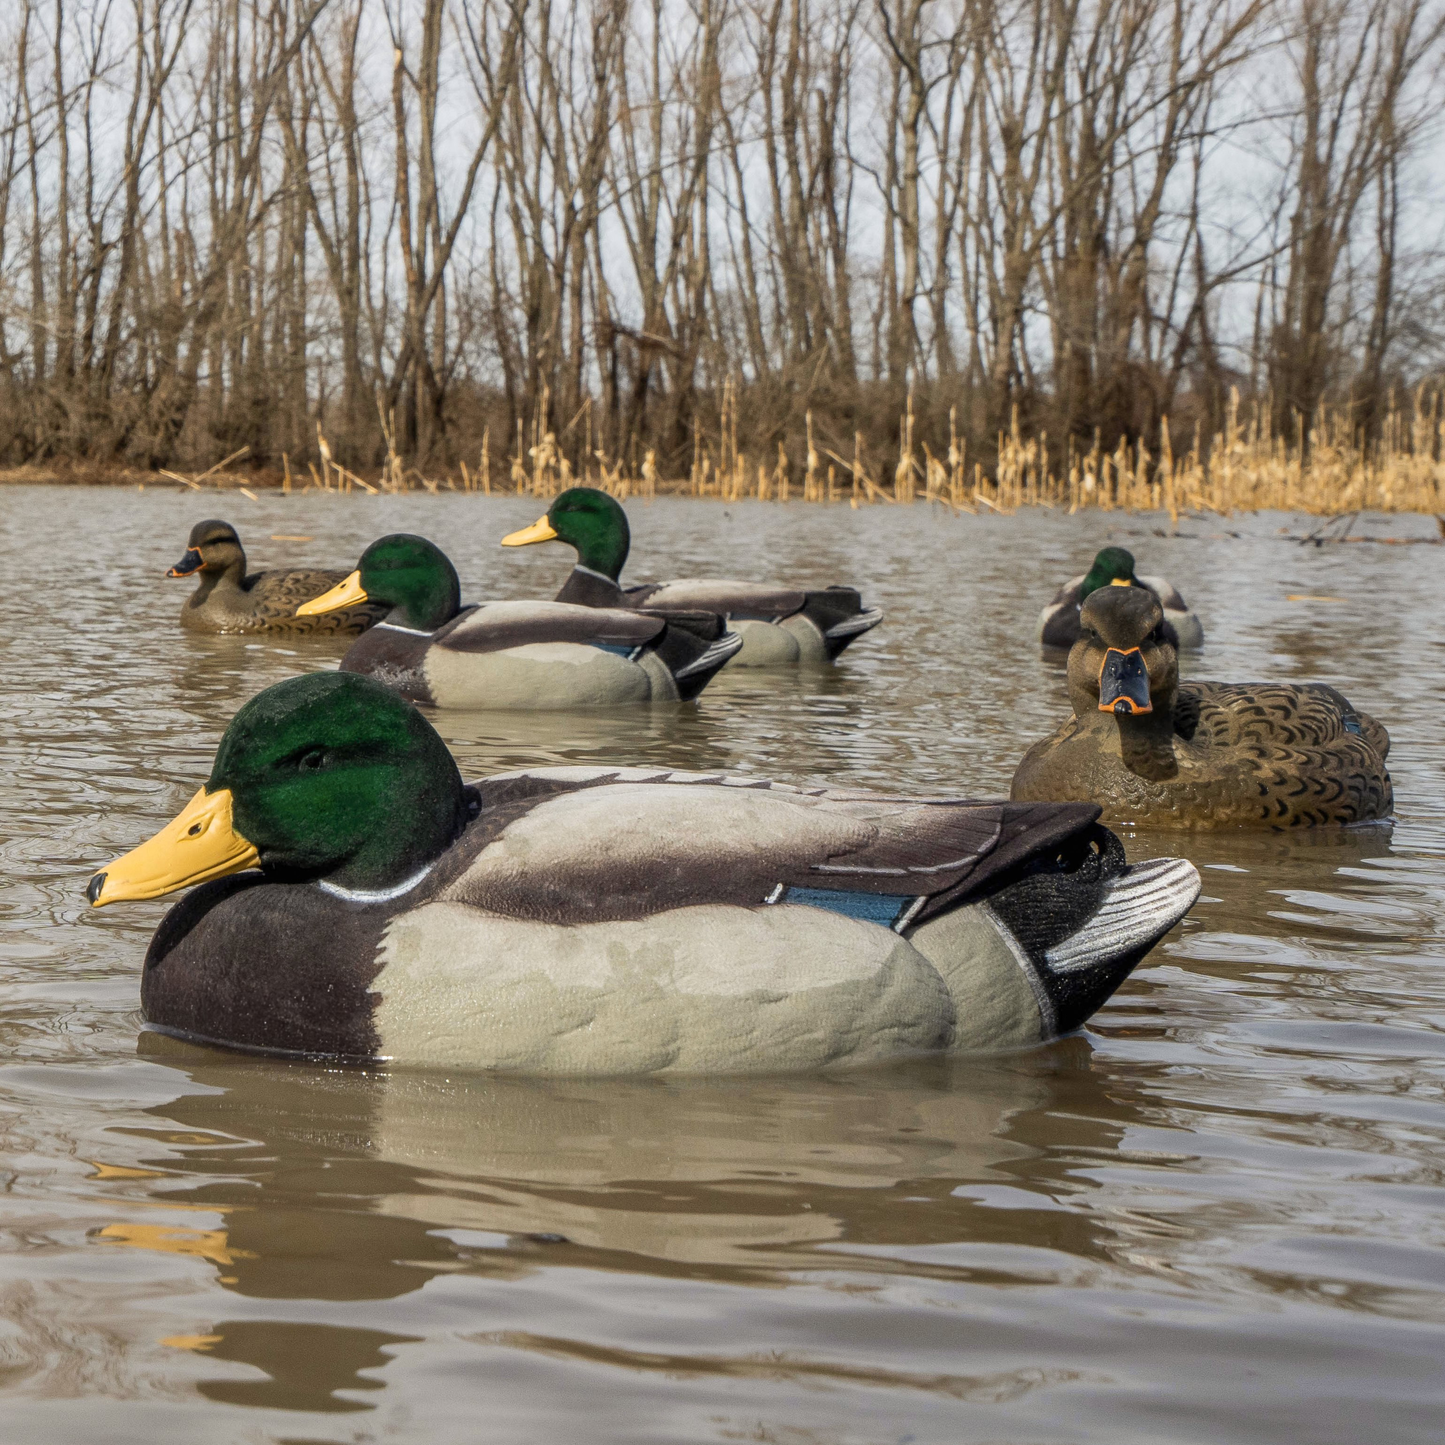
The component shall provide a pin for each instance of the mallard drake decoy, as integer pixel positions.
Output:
(608, 920)
(780, 626)
(227, 600)
(1059, 621)
(521, 655)
(1153, 751)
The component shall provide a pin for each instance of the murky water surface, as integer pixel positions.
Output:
(1217, 1216)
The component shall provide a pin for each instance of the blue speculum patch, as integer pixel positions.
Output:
(621, 649)
(880, 908)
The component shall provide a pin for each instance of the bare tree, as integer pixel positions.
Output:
(224, 223)
(1359, 112)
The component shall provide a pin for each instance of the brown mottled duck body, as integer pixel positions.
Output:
(1200, 755)
(226, 599)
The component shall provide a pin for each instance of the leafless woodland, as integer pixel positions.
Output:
(422, 222)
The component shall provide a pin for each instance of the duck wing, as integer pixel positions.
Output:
(708, 594)
(1167, 593)
(584, 844)
(496, 626)
(837, 612)
(1316, 758)
(1276, 714)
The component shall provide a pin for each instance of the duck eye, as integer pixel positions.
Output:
(193, 830)
(311, 760)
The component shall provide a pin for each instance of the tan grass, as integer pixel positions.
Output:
(1245, 467)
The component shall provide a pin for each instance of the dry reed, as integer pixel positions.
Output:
(1246, 467)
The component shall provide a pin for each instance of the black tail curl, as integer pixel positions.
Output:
(1052, 895)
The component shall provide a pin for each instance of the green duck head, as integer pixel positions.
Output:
(213, 549)
(330, 778)
(408, 574)
(1113, 566)
(587, 520)
(1124, 662)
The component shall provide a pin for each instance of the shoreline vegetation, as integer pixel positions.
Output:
(993, 255)
(1247, 467)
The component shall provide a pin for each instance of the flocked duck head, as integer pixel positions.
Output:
(406, 573)
(213, 549)
(1125, 660)
(330, 778)
(1111, 567)
(588, 521)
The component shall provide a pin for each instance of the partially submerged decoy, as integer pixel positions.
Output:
(595, 920)
(518, 655)
(1059, 621)
(227, 600)
(780, 626)
(1153, 751)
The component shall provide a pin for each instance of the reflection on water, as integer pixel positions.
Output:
(1216, 1216)
(306, 1366)
(681, 1174)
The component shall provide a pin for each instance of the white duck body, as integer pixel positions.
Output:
(1059, 621)
(543, 656)
(597, 921)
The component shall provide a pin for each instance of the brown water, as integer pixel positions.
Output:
(1216, 1216)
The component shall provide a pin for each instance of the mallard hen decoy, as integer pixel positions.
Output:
(227, 600)
(1059, 621)
(517, 655)
(606, 920)
(1153, 751)
(780, 626)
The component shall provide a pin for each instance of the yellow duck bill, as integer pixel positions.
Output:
(346, 593)
(539, 531)
(1124, 683)
(198, 844)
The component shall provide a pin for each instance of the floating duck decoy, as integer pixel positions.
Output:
(1114, 567)
(780, 626)
(361, 902)
(520, 655)
(227, 600)
(1153, 751)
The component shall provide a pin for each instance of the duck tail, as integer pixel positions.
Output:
(839, 614)
(1081, 965)
(693, 647)
(1074, 912)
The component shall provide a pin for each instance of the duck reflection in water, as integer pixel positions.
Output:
(363, 1186)
(367, 1183)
